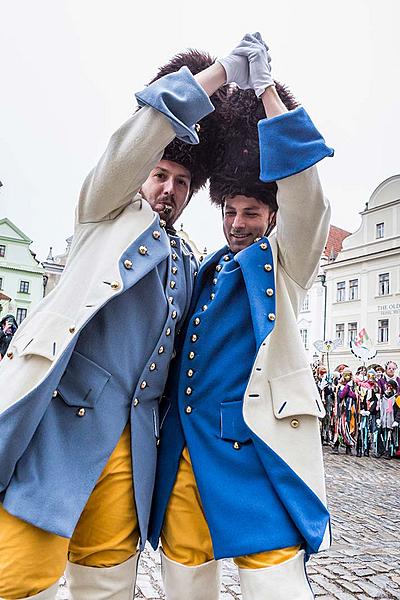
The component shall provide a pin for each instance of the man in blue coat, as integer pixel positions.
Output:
(81, 381)
(240, 469)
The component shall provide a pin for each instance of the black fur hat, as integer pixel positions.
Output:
(236, 155)
(196, 158)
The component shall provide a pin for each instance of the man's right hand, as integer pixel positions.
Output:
(236, 66)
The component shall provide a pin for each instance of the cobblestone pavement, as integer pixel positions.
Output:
(364, 561)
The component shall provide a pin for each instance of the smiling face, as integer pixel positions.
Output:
(167, 190)
(245, 219)
(391, 369)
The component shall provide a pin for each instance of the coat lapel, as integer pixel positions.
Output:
(257, 265)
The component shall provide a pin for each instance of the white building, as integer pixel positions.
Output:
(363, 283)
(21, 276)
(313, 315)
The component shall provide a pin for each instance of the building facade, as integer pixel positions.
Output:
(312, 320)
(363, 283)
(21, 276)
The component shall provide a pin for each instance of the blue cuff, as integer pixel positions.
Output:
(181, 99)
(289, 144)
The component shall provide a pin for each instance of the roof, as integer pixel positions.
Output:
(335, 241)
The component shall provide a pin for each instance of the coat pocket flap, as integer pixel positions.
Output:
(233, 426)
(296, 394)
(83, 382)
(44, 335)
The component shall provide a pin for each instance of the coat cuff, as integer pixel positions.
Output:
(181, 99)
(289, 144)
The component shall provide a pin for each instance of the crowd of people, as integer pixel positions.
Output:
(8, 326)
(362, 409)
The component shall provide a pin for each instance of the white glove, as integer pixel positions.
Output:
(378, 423)
(236, 67)
(395, 424)
(256, 51)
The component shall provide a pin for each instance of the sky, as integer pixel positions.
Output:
(69, 70)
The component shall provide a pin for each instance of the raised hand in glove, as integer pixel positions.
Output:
(236, 67)
(257, 53)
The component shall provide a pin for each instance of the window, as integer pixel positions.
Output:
(304, 337)
(352, 331)
(24, 287)
(2, 250)
(383, 330)
(340, 332)
(353, 289)
(380, 230)
(384, 284)
(21, 314)
(341, 291)
(306, 303)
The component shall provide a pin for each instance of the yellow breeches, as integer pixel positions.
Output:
(185, 536)
(32, 560)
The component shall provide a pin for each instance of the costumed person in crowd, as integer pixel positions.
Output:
(240, 471)
(327, 393)
(387, 434)
(345, 413)
(8, 327)
(389, 374)
(81, 381)
(366, 389)
(361, 375)
(396, 434)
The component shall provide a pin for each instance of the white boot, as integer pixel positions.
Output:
(197, 583)
(48, 594)
(286, 581)
(102, 583)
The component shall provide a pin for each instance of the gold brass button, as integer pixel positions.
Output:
(267, 267)
(204, 307)
(142, 250)
(197, 127)
(174, 270)
(188, 391)
(128, 264)
(153, 367)
(172, 284)
(201, 258)
(263, 246)
(55, 394)
(173, 243)
(227, 258)
(163, 223)
(188, 410)
(72, 330)
(294, 423)
(236, 445)
(161, 350)
(218, 268)
(143, 385)
(10, 355)
(158, 442)
(195, 274)
(174, 314)
(194, 338)
(191, 355)
(168, 331)
(212, 296)
(196, 321)
(156, 235)
(257, 239)
(190, 373)
(271, 316)
(174, 256)
(115, 285)
(81, 412)
(136, 402)
(215, 281)
(269, 292)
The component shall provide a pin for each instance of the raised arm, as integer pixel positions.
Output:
(171, 106)
(289, 147)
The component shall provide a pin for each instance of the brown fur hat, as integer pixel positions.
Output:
(236, 155)
(196, 158)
